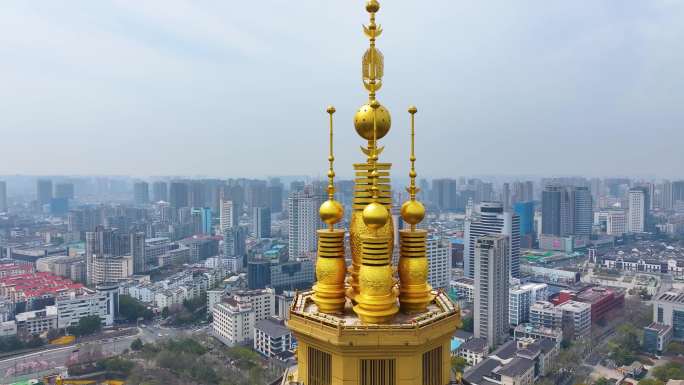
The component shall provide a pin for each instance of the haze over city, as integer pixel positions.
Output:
(238, 89)
(215, 193)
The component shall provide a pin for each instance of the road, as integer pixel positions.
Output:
(24, 366)
(36, 364)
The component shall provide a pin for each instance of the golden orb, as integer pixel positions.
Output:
(412, 212)
(412, 109)
(372, 6)
(331, 212)
(363, 121)
(375, 215)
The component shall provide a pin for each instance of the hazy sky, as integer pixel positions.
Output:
(239, 88)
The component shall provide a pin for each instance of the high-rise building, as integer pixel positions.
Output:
(567, 210)
(492, 219)
(234, 247)
(522, 192)
(439, 264)
(160, 191)
(178, 194)
(521, 298)
(636, 217)
(138, 252)
(525, 211)
(104, 243)
(141, 193)
(227, 216)
(261, 218)
(275, 197)
(64, 190)
(584, 211)
(44, 191)
(303, 222)
(677, 192)
(551, 210)
(3, 196)
(506, 196)
(206, 220)
(444, 193)
(409, 349)
(492, 273)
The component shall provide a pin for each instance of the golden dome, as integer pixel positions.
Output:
(363, 121)
(375, 215)
(331, 212)
(413, 212)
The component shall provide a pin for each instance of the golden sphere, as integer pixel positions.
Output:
(372, 6)
(363, 121)
(412, 109)
(330, 109)
(331, 212)
(375, 215)
(413, 212)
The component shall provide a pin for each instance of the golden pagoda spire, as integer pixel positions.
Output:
(414, 292)
(329, 292)
(372, 187)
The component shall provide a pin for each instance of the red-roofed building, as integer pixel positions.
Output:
(11, 269)
(31, 286)
(602, 301)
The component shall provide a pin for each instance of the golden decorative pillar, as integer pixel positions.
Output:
(329, 292)
(377, 298)
(414, 291)
(372, 122)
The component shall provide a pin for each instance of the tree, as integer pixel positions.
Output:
(602, 381)
(165, 312)
(675, 347)
(131, 309)
(624, 347)
(669, 371)
(137, 344)
(458, 364)
(468, 324)
(86, 325)
(650, 381)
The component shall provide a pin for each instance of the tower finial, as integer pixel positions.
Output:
(331, 158)
(412, 211)
(331, 211)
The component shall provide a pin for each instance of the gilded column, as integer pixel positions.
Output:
(414, 291)
(329, 291)
(372, 122)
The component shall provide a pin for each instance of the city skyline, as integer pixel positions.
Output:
(188, 89)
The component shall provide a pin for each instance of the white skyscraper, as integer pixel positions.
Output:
(521, 298)
(439, 264)
(227, 216)
(492, 219)
(491, 289)
(636, 220)
(303, 222)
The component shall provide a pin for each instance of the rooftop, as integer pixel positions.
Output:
(440, 308)
(485, 368)
(475, 345)
(516, 367)
(272, 327)
(594, 294)
(658, 327)
(506, 351)
(672, 296)
(38, 284)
